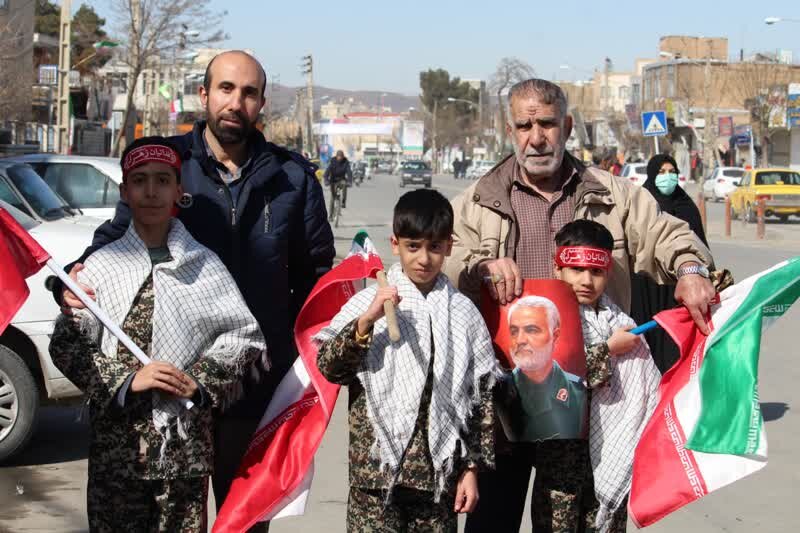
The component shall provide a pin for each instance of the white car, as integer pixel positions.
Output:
(90, 184)
(722, 182)
(636, 173)
(479, 168)
(27, 374)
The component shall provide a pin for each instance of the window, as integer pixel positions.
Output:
(624, 93)
(778, 178)
(8, 195)
(670, 81)
(732, 173)
(3, 5)
(82, 186)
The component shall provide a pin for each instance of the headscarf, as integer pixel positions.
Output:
(677, 204)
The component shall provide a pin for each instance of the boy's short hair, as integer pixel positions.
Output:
(423, 214)
(585, 233)
(157, 140)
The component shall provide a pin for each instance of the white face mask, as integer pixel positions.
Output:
(666, 183)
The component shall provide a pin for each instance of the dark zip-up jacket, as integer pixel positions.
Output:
(274, 238)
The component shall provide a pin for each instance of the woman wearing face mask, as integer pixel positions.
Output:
(649, 298)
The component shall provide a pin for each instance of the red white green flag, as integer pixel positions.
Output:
(707, 430)
(276, 472)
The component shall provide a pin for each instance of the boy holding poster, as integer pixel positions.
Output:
(623, 388)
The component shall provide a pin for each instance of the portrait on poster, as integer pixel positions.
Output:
(539, 340)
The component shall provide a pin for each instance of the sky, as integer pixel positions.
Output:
(374, 45)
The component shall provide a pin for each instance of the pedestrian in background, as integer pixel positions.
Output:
(650, 298)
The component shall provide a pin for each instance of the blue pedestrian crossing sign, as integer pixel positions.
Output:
(654, 123)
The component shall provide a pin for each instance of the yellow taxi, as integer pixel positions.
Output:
(779, 187)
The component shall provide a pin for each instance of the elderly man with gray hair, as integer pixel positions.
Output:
(505, 224)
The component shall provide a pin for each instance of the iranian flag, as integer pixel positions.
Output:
(20, 257)
(707, 430)
(275, 476)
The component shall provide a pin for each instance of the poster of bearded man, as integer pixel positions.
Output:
(539, 341)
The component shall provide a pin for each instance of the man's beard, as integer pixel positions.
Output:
(228, 134)
(532, 359)
(534, 171)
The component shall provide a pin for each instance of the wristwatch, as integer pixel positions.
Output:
(700, 270)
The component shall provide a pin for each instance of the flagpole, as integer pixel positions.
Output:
(103, 317)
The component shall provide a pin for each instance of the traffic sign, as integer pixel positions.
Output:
(654, 123)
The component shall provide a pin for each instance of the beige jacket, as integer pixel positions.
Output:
(645, 239)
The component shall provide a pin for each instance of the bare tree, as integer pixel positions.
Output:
(509, 71)
(15, 70)
(152, 30)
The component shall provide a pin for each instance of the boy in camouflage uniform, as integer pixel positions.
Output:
(600, 467)
(428, 484)
(145, 474)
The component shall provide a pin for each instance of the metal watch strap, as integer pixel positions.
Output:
(693, 269)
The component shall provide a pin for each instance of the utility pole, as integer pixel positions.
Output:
(308, 139)
(64, 47)
(435, 157)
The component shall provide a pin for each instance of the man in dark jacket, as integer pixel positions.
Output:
(261, 209)
(338, 174)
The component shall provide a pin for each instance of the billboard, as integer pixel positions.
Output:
(413, 137)
(793, 105)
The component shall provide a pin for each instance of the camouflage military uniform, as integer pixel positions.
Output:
(125, 447)
(339, 360)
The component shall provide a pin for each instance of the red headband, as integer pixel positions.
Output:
(151, 153)
(583, 257)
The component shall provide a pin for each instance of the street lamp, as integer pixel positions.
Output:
(769, 21)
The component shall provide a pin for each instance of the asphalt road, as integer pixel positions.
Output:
(44, 488)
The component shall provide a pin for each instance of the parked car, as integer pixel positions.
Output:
(415, 172)
(721, 182)
(384, 167)
(28, 377)
(90, 184)
(479, 168)
(778, 187)
(636, 173)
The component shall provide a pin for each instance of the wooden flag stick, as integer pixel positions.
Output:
(388, 309)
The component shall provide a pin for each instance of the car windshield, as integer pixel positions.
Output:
(642, 169)
(778, 177)
(22, 219)
(415, 165)
(733, 173)
(37, 193)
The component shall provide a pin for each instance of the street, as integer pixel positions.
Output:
(43, 489)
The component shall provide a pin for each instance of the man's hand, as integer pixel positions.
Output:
(622, 341)
(68, 298)
(695, 292)
(466, 492)
(375, 310)
(502, 277)
(165, 377)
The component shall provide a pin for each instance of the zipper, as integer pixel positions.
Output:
(267, 214)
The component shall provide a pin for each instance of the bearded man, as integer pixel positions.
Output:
(260, 208)
(546, 401)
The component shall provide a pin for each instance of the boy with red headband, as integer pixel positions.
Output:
(150, 456)
(621, 375)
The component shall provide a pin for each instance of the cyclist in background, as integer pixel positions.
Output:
(338, 175)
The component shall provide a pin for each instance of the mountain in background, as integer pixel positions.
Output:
(282, 98)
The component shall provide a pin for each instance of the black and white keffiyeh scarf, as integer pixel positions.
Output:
(619, 410)
(199, 312)
(394, 374)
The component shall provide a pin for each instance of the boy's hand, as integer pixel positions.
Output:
(466, 492)
(622, 341)
(375, 310)
(68, 298)
(165, 377)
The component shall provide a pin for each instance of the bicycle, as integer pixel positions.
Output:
(336, 212)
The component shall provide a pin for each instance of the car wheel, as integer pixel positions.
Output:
(19, 403)
(734, 216)
(428, 185)
(783, 218)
